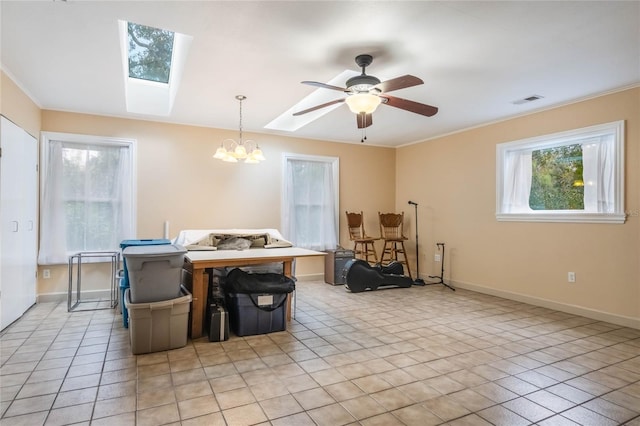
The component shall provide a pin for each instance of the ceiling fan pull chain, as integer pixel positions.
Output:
(362, 116)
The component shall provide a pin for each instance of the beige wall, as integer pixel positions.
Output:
(453, 179)
(18, 107)
(179, 181)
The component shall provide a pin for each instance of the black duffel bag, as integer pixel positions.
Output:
(239, 281)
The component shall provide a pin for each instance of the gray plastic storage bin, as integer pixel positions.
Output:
(154, 271)
(158, 326)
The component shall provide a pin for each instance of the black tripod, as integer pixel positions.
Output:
(441, 277)
(418, 280)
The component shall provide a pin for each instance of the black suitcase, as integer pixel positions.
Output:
(218, 324)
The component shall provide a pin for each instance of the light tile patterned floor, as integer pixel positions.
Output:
(418, 356)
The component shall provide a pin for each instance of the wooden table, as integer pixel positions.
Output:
(197, 261)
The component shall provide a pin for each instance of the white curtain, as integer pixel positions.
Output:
(53, 223)
(309, 204)
(517, 182)
(123, 194)
(87, 200)
(598, 174)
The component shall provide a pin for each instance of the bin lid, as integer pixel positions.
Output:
(154, 250)
(144, 242)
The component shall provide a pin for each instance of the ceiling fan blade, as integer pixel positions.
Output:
(407, 105)
(398, 83)
(304, 111)
(364, 120)
(324, 85)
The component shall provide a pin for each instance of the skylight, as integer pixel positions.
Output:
(153, 60)
(290, 123)
(150, 51)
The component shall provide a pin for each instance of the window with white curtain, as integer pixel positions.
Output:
(310, 201)
(87, 198)
(574, 176)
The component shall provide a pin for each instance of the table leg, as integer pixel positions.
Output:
(286, 269)
(198, 303)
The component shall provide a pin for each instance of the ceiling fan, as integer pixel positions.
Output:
(366, 92)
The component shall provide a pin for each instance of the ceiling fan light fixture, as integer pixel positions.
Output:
(363, 103)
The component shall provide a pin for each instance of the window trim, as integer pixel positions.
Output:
(47, 137)
(335, 165)
(558, 139)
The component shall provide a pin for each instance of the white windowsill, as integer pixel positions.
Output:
(562, 217)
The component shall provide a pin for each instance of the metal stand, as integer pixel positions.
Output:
(418, 280)
(114, 260)
(441, 277)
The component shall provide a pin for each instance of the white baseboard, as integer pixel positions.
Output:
(62, 296)
(551, 304)
(310, 277)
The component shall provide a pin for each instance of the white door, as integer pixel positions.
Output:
(18, 212)
(30, 216)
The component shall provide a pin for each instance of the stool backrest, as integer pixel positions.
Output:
(355, 224)
(391, 225)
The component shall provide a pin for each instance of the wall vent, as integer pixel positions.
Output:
(527, 99)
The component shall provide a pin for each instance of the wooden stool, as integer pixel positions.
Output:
(363, 245)
(392, 235)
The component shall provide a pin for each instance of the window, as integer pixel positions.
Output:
(310, 201)
(574, 176)
(153, 61)
(556, 178)
(88, 199)
(150, 51)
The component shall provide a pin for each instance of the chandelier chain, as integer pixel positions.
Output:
(241, 98)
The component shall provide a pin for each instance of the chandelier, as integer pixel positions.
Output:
(232, 151)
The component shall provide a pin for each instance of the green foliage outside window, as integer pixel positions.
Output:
(150, 51)
(556, 182)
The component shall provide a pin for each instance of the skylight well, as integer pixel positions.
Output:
(153, 61)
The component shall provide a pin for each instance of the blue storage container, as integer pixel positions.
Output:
(123, 307)
(124, 282)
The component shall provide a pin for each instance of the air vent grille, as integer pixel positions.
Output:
(527, 99)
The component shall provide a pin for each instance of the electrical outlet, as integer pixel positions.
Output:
(46, 274)
(437, 258)
(571, 277)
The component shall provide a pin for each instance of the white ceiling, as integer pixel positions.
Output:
(475, 58)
